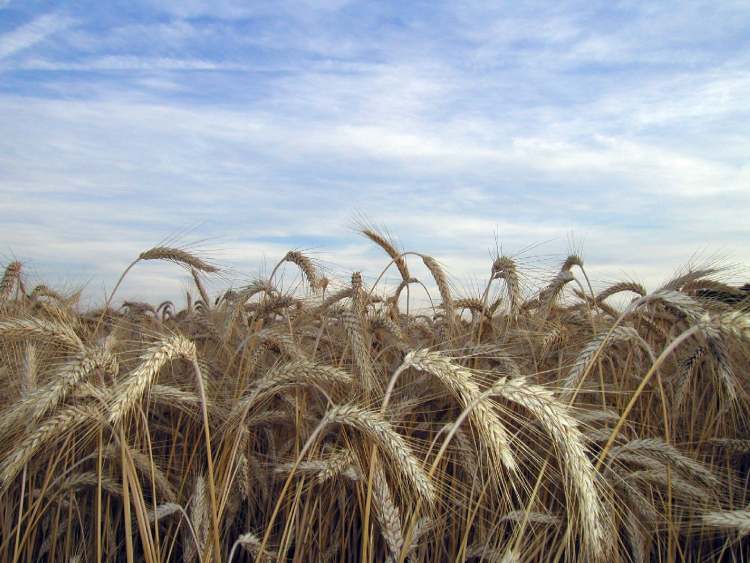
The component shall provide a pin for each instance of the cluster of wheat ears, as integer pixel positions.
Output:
(328, 423)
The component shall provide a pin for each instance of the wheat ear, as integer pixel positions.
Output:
(132, 389)
(178, 256)
(39, 329)
(460, 382)
(570, 442)
(382, 433)
(49, 429)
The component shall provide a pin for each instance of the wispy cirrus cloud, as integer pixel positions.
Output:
(32, 33)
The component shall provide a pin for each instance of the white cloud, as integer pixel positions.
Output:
(32, 33)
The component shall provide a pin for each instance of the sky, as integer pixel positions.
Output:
(618, 130)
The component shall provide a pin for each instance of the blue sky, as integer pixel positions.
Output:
(618, 129)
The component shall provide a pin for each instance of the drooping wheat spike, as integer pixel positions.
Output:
(679, 486)
(42, 400)
(460, 382)
(147, 469)
(658, 449)
(619, 288)
(301, 372)
(274, 304)
(40, 329)
(387, 514)
(382, 433)
(732, 445)
(473, 304)
(173, 397)
(548, 295)
(42, 435)
(360, 351)
(340, 462)
(594, 347)
(678, 301)
(554, 416)
(252, 544)
(505, 268)
(10, 280)
(734, 323)
(178, 256)
(738, 520)
(442, 283)
(200, 520)
(676, 283)
(201, 287)
(163, 510)
(88, 479)
(570, 261)
(385, 242)
(306, 266)
(723, 370)
(531, 517)
(131, 390)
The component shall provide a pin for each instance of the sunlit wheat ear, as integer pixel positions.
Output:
(9, 280)
(505, 268)
(442, 284)
(29, 370)
(531, 517)
(306, 266)
(172, 397)
(553, 290)
(384, 242)
(325, 469)
(736, 520)
(64, 380)
(690, 276)
(163, 510)
(39, 329)
(677, 301)
(131, 390)
(277, 339)
(296, 373)
(460, 383)
(201, 287)
(554, 416)
(360, 351)
(178, 256)
(619, 288)
(42, 435)
(251, 543)
(387, 514)
(594, 348)
(382, 433)
(734, 323)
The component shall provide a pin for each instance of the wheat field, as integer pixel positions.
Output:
(302, 418)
